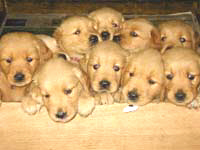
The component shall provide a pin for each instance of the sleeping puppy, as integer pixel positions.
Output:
(62, 90)
(75, 36)
(177, 33)
(104, 66)
(182, 70)
(143, 80)
(139, 33)
(21, 53)
(109, 22)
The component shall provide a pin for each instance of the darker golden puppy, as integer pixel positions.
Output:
(182, 71)
(138, 34)
(21, 53)
(62, 90)
(177, 33)
(109, 22)
(104, 66)
(76, 35)
(143, 80)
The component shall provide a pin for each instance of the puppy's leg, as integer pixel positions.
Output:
(104, 98)
(195, 104)
(86, 104)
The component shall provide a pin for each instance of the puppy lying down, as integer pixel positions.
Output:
(143, 79)
(104, 66)
(182, 76)
(60, 87)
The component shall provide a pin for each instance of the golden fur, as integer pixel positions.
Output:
(21, 53)
(62, 90)
(182, 71)
(109, 22)
(143, 80)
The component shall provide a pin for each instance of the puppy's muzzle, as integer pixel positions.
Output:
(133, 95)
(19, 77)
(93, 39)
(104, 84)
(61, 114)
(180, 96)
(105, 35)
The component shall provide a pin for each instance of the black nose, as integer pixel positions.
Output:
(61, 115)
(104, 84)
(133, 95)
(93, 39)
(180, 96)
(116, 38)
(19, 77)
(105, 35)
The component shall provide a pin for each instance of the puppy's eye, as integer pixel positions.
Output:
(191, 77)
(9, 60)
(96, 66)
(116, 68)
(29, 59)
(114, 25)
(131, 74)
(47, 96)
(151, 81)
(67, 91)
(182, 40)
(163, 38)
(134, 34)
(169, 76)
(77, 32)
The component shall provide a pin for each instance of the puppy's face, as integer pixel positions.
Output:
(182, 75)
(105, 65)
(109, 22)
(138, 34)
(177, 34)
(20, 55)
(60, 89)
(76, 35)
(144, 77)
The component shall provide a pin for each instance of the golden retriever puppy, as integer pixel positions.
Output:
(61, 90)
(143, 80)
(177, 33)
(139, 33)
(109, 22)
(182, 70)
(21, 53)
(75, 36)
(104, 67)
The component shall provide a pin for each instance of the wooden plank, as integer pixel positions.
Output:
(152, 127)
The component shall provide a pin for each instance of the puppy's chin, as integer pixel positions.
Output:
(139, 102)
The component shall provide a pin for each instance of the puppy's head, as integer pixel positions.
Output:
(109, 22)
(105, 65)
(176, 33)
(60, 84)
(20, 55)
(182, 70)
(76, 35)
(139, 33)
(143, 78)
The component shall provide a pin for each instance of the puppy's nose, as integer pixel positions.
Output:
(180, 96)
(133, 95)
(93, 39)
(105, 35)
(61, 114)
(117, 38)
(104, 84)
(19, 77)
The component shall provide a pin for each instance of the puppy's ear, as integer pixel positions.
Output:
(196, 41)
(58, 33)
(84, 62)
(156, 40)
(44, 52)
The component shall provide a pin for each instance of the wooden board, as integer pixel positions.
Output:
(152, 127)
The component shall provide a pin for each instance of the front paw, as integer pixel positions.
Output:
(30, 106)
(194, 104)
(104, 98)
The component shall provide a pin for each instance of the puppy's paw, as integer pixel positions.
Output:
(0, 102)
(195, 104)
(104, 98)
(86, 105)
(30, 106)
